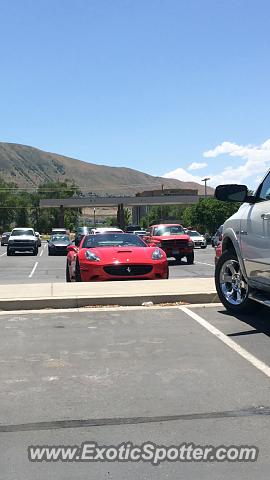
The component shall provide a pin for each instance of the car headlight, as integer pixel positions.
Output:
(157, 254)
(91, 256)
(191, 243)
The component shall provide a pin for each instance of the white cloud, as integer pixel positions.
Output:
(254, 165)
(256, 162)
(197, 165)
(183, 175)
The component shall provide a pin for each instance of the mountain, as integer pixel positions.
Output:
(29, 167)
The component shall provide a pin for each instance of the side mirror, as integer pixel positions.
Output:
(233, 193)
(72, 248)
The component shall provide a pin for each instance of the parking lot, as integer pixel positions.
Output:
(164, 375)
(25, 268)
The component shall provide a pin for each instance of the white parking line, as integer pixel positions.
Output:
(41, 253)
(2, 254)
(33, 270)
(209, 264)
(230, 343)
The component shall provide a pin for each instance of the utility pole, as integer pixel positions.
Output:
(205, 180)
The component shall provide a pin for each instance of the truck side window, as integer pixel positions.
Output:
(264, 191)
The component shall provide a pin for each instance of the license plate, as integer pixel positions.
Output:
(175, 251)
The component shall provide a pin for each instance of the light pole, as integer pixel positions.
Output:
(205, 180)
(94, 217)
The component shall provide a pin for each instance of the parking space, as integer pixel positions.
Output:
(26, 268)
(119, 375)
(251, 332)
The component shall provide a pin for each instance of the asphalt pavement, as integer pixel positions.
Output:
(164, 375)
(26, 268)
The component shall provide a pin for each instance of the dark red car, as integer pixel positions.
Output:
(115, 256)
(173, 240)
(218, 252)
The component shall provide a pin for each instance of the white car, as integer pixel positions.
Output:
(95, 231)
(198, 239)
(243, 269)
(22, 240)
(140, 233)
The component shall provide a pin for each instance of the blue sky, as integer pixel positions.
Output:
(162, 86)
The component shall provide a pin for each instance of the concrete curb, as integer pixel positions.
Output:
(121, 300)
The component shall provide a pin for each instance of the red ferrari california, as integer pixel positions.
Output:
(115, 256)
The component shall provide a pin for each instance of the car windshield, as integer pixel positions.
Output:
(18, 233)
(169, 230)
(193, 233)
(82, 230)
(113, 240)
(56, 238)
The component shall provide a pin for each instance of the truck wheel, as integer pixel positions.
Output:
(9, 252)
(35, 252)
(190, 258)
(203, 247)
(232, 288)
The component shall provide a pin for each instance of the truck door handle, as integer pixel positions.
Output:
(265, 216)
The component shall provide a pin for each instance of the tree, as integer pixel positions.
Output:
(7, 205)
(47, 218)
(208, 214)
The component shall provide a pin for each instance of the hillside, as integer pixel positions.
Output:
(29, 167)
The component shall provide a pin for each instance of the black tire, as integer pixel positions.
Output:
(68, 279)
(190, 258)
(49, 252)
(246, 305)
(35, 252)
(204, 247)
(78, 277)
(9, 252)
(168, 273)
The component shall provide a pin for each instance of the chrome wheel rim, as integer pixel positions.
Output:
(232, 283)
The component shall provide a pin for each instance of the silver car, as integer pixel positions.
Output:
(198, 239)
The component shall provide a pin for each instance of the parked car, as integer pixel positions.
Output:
(140, 233)
(243, 270)
(4, 238)
(38, 239)
(198, 239)
(61, 231)
(115, 256)
(57, 244)
(218, 252)
(217, 237)
(95, 231)
(80, 232)
(173, 240)
(132, 228)
(22, 240)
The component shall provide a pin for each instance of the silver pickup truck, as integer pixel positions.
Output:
(243, 271)
(22, 240)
